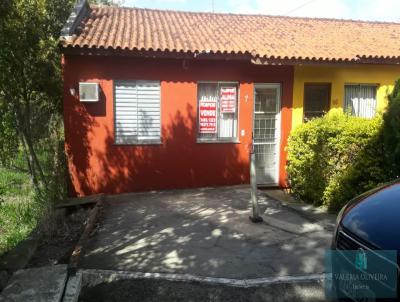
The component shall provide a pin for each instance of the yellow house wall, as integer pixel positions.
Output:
(382, 75)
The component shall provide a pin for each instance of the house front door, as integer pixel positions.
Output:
(266, 132)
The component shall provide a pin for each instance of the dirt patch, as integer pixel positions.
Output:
(56, 246)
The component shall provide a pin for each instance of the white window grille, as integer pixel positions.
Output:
(137, 112)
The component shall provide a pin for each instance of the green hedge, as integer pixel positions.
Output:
(391, 131)
(336, 157)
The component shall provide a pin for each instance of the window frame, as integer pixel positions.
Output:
(218, 140)
(345, 107)
(89, 100)
(325, 84)
(137, 142)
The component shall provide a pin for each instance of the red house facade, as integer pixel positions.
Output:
(180, 99)
(180, 159)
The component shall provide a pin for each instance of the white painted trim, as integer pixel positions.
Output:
(88, 84)
(277, 86)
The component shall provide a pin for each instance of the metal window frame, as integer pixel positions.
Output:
(137, 141)
(359, 85)
(218, 139)
(96, 99)
(328, 84)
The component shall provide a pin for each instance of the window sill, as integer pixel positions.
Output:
(200, 141)
(141, 143)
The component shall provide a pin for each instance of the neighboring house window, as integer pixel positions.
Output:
(360, 100)
(217, 111)
(137, 112)
(316, 100)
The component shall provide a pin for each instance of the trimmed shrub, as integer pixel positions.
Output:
(336, 157)
(391, 130)
(367, 170)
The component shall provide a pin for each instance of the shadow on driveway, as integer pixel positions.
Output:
(204, 232)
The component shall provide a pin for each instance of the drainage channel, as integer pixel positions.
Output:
(104, 285)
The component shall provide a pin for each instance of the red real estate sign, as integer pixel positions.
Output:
(208, 116)
(228, 99)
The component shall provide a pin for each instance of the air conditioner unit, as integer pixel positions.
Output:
(88, 92)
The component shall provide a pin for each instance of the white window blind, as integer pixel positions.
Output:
(137, 112)
(226, 122)
(360, 100)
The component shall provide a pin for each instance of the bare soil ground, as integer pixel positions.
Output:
(56, 246)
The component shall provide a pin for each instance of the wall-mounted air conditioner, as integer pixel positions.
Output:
(88, 92)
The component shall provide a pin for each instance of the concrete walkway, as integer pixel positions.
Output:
(205, 232)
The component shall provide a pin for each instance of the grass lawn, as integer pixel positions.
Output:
(18, 210)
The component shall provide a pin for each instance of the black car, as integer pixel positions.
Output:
(371, 223)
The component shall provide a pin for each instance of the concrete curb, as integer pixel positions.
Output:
(73, 288)
(280, 289)
(92, 277)
(93, 217)
(291, 227)
(46, 283)
(307, 211)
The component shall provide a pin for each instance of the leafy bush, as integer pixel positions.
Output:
(391, 131)
(336, 157)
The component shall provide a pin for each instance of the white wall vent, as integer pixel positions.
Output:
(88, 92)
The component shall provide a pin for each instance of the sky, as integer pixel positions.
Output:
(372, 10)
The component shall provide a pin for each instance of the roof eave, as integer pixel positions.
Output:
(94, 51)
(326, 61)
(254, 59)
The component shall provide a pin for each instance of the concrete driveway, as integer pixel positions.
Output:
(205, 232)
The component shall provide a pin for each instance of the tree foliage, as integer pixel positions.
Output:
(30, 79)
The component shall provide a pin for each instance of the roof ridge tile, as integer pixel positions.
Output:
(261, 36)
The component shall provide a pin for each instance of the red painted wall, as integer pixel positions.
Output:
(97, 165)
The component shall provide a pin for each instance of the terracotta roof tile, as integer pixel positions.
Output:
(262, 36)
